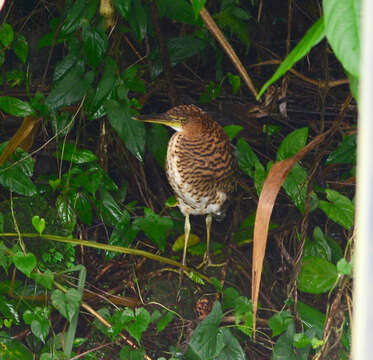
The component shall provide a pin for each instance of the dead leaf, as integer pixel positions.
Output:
(24, 138)
(271, 188)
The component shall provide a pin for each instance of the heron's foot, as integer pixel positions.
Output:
(208, 263)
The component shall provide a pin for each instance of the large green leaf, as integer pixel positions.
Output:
(94, 44)
(339, 208)
(65, 212)
(6, 34)
(155, 227)
(314, 35)
(139, 324)
(231, 347)
(131, 132)
(70, 152)
(317, 275)
(12, 349)
(16, 107)
(342, 27)
(180, 11)
(71, 88)
(204, 341)
(17, 177)
(103, 90)
(66, 303)
(138, 19)
(180, 49)
(292, 143)
(345, 153)
(20, 47)
(25, 263)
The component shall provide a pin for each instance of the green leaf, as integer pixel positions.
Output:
(66, 303)
(180, 49)
(16, 107)
(17, 177)
(164, 321)
(128, 353)
(25, 263)
(317, 275)
(123, 234)
(8, 309)
(235, 81)
(109, 208)
(279, 322)
(232, 130)
(283, 348)
(20, 47)
(71, 88)
(138, 19)
(91, 179)
(83, 207)
(204, 341)
(130, 131)
(314, 35)
(311, 318)
(319, 246)
(230, 295)
(301, 340)
(12, 349)
(345, 153)
(66, 213)
(70, 152)
(80, 13)
(155, 227)
(229, 347)
(6, 34)
(123, 7)
(339, 208)
(94, 44)
(197, 7)
(246, 158)
(140, 323)
(342, 27)
(344, 267)
(293, 142)
(104, 88)
(45, 279)
(38, 318)
(157, 140)
(295, 185)
(180, 11)
(354, 85)
(38, 224)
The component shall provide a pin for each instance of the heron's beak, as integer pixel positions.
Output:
(163, 119)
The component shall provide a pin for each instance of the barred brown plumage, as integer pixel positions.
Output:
(200, 164)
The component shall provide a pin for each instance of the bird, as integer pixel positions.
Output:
(200, 166)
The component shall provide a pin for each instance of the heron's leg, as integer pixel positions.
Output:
(208, 229)
(206, 259)
(186, 237)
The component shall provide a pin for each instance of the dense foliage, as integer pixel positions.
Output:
(90, 238)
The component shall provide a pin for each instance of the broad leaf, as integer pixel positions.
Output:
(339, 208)
(66, 303)
(317, 275)
(155, 227)
(16, 107)
(314, 35)
(342, 27)
(6, 34)
(25, 263)
(131, 132)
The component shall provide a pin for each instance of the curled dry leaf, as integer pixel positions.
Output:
(271, 188)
